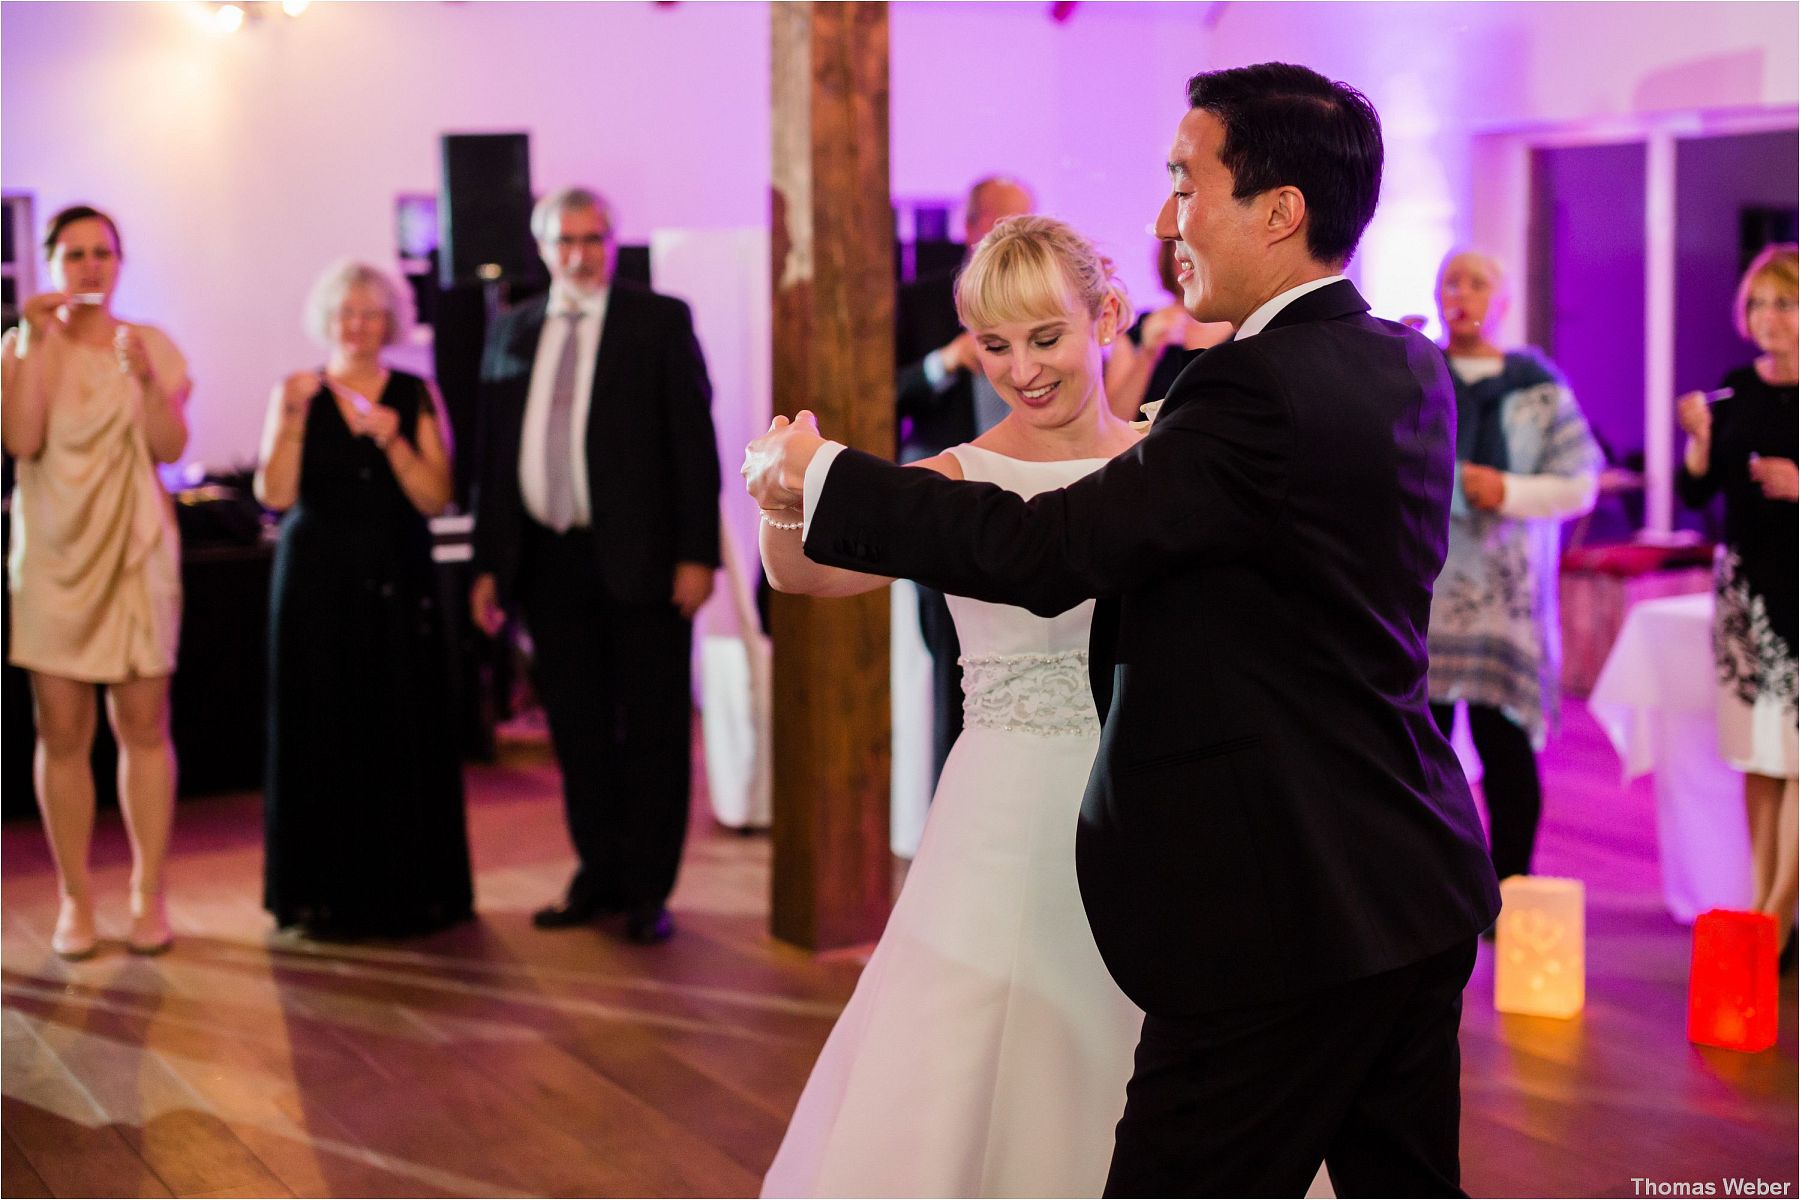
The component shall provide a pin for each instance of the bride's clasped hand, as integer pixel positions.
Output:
(775, 464)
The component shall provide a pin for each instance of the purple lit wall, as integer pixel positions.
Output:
(1083, 110)
(1589, 310)
(1716, 179)
(240, 165)
(1448, 75)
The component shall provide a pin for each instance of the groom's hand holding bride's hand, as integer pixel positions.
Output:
(775, 464)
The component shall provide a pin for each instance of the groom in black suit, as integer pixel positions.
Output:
(1278, 853)
(597, 514)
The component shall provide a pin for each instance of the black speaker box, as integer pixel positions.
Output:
(1762, 227)
(937, 258)
(634, 264)
(484, 210)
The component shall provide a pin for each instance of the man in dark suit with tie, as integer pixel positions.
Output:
(1278, 853)
(597, 515)
(941, 399)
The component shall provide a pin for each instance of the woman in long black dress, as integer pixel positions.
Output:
(1745, 444)
(363, 807)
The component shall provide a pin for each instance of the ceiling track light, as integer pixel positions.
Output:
(231, 16)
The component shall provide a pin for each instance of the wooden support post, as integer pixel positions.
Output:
(833, 244)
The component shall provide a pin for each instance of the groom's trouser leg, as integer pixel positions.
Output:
(1400, 1135)
(1248, 1101)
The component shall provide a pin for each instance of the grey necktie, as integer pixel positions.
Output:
(559, 469)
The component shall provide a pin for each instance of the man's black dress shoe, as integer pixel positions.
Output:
(567, 914)
(648, 926)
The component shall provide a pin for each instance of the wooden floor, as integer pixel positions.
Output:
(497, 1060)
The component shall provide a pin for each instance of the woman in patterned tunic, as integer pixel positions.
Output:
(1745, 444)
(1526, 462)
(93, 403)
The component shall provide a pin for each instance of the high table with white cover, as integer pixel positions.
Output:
(1656, 698)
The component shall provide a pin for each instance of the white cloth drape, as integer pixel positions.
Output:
(1656, 699)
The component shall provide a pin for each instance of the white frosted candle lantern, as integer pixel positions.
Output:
(1539, 964)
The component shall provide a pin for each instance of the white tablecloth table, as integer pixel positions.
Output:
(1656, 699)
(736, 678)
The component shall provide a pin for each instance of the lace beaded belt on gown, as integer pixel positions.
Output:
(1043, 694)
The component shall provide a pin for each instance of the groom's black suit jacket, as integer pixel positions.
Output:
(1272, 810)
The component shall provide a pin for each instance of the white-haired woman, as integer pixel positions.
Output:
(1526, 462)
(92, 404)
(363, 804)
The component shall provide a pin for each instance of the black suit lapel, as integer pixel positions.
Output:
(527, 327)
(615, 334)
(610, 358)
(1334, 300)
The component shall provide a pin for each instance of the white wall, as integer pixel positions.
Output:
(1084, 110)
(1443, 73)
(240, 165)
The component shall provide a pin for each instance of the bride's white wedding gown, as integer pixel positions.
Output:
(985, 1051)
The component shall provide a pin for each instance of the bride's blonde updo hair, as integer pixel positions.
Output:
(1034, 268)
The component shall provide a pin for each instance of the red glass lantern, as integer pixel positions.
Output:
(1732, 1000)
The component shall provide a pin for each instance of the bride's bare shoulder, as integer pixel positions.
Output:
(944, 464)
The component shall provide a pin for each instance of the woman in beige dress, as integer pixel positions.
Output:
(91, 405)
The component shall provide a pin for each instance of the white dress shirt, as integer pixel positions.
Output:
(592, 308)
(1259, 320)
(827, 454)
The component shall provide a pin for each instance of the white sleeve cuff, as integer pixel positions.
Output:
(1549, 496)
(936, 373)
(814, 485)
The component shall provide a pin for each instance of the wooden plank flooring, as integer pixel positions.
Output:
(494, 1059)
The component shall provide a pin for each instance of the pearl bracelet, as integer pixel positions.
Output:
(772, 523)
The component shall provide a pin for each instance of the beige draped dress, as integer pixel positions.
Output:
(95, 569)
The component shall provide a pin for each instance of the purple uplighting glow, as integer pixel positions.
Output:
(277, 168)
(415, 616)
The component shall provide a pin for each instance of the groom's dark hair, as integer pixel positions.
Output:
(1287, 125)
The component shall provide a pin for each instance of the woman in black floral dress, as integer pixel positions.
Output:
(1743, 441)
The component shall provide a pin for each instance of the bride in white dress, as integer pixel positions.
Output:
(985, 1051)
